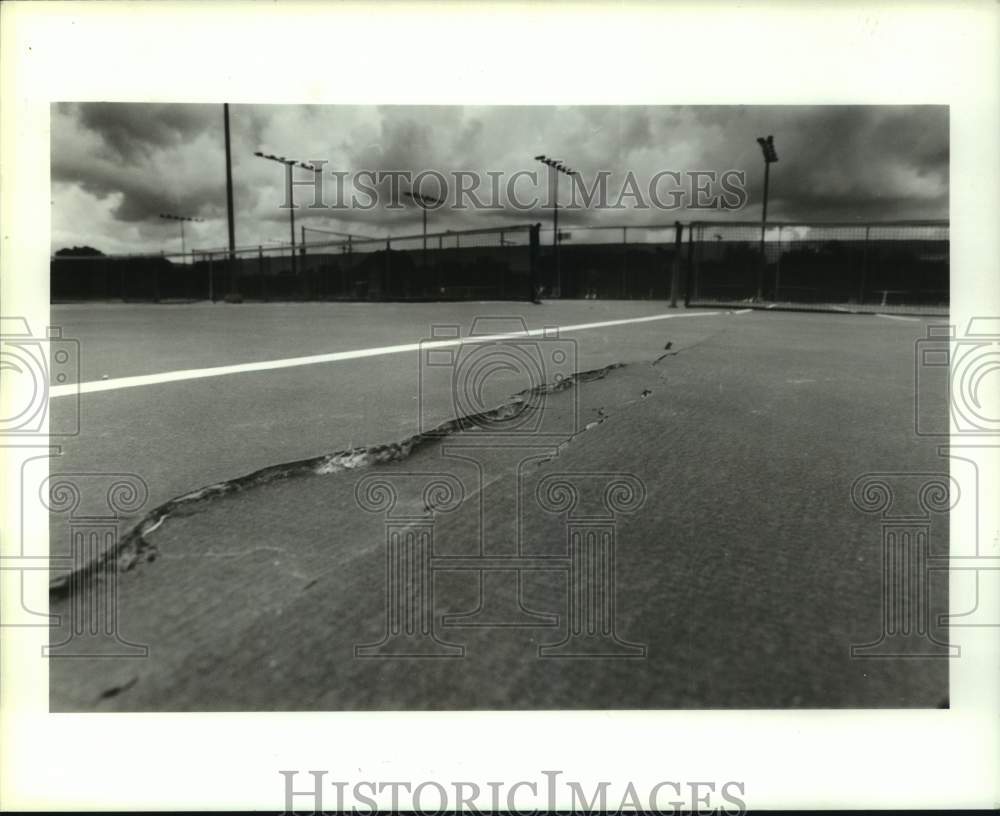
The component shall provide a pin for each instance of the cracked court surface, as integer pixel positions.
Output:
(741, 580)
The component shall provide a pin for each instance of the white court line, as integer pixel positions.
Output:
(897, 317)
(95, 386)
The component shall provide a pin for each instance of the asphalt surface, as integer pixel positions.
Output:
(741, 578)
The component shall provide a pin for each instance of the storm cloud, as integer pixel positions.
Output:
(117, 166)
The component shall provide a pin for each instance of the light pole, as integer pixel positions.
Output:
(770, 156)
(559, 167)
(182, 219)
(230, 215)
(289, 163)
(230, 222)
(422, 201)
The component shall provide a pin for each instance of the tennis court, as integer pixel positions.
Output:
(742, 572)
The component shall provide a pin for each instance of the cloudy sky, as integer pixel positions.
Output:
(117, 166)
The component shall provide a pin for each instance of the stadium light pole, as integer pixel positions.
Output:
(422, 201)
(770, 156)
(289, 163)
(559, 167)
(182, 219)
(230, 216)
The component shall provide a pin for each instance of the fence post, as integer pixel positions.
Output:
(675, 272)
(156, 278)
(624, 283)
(690, 277)
(260, 272)
(211, 273)
(533, 243)
(777, 271)
(306, 288)
(211, 283)
(864, 266)
(387, 276)
(232, 279)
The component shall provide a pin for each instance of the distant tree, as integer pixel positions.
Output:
(80, 252)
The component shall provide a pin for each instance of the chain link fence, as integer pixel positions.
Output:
(481, 264)
(897, 266)
(884, 266)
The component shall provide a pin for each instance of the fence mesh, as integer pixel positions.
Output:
(631, 262)
(470, 264)
(855, 267)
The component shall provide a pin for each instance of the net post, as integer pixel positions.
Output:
(675, 272)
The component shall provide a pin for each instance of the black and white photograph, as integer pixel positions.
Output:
(503, 407)
(550, 411)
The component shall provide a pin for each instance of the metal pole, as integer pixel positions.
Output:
(229, 186)
(864, 266)
(183, 247)
(763, 226)
(533, 235)
(291, 215)
(675, 272)
(425, 236)
(230, 214)
(690, 278)
(260, 272)
(232, 277)
(306, 288)
(624, 261)
(555, 234)
(777, 271)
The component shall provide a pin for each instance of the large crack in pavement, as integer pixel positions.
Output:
(135, 547)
